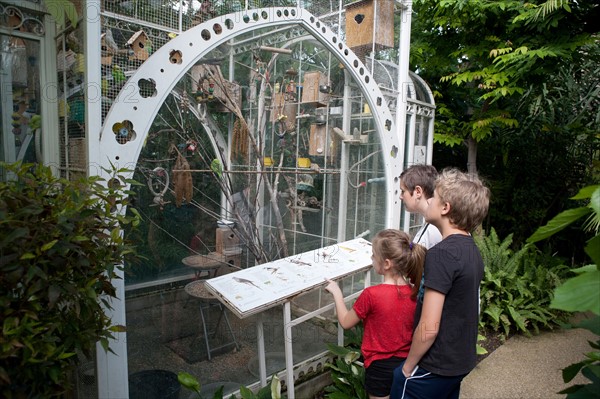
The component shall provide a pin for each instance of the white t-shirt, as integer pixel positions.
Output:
(428, 235)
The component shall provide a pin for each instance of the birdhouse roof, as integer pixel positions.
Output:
(137, 35)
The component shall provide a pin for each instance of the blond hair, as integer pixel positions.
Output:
(407, 257)
(467, 195)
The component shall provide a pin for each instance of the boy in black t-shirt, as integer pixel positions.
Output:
(443, 346)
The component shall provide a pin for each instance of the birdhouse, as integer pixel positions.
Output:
(277, 106)
(315, 89)
(317, 140)
(365, 17)
(140, 44)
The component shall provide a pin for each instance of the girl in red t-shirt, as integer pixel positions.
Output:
(387, 310)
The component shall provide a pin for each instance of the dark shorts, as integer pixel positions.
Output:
(380, 374)
(425, 385)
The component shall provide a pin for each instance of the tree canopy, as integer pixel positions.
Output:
(517, 82)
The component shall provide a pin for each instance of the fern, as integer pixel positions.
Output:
(517, 286)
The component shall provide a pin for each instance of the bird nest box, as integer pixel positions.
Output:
(370, 24)
(139, 44)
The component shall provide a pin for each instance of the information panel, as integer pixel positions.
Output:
(253, 290)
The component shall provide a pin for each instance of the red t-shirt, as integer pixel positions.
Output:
(387, 312)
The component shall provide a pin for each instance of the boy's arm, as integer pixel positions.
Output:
(427, 330)
(347, 318)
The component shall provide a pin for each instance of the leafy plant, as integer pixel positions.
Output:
(60, 247)
(517, 286)
(271, 391)
(478, 347)
(580, 293)
(348, 374)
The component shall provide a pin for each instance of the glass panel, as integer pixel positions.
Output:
(235, 173)
(70, 61)
(20, 93)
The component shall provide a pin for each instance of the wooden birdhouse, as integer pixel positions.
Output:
(365, 17)
(284, 112)
(315, 89)
(140, 44)
(277, 104)
(317, 141)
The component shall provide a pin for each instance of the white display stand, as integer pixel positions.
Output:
(256, 289)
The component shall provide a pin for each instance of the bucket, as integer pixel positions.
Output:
(303, 162)
(154, 384)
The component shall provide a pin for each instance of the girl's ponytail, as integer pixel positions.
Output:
(414, 266)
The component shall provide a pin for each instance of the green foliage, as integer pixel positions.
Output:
(60, 247)
(347, 373)
(580, 293)
(271, 391)
(480, 57)
(478, 347)
(353, 337)
(517, 286)
(61, 8)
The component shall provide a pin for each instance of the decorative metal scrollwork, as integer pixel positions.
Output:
(27, 22)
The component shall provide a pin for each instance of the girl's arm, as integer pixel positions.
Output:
(427, 330)
(347, 318)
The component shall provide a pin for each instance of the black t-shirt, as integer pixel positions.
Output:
(454, 267)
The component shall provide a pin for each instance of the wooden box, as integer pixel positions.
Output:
(227, 242)
(277, 106)
(287, 109)
(368, 16)
(317, 142)
(139, 44)
(310, 89)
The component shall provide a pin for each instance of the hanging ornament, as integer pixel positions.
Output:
(182, 180)
(158, 183)
(184, 103)
(211, 90)
(191, 145)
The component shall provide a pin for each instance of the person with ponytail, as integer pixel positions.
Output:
(387, 310)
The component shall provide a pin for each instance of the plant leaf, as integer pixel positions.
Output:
(569, 372)
(188, 381)
(593, 250)
(579, 294)
(558, 222)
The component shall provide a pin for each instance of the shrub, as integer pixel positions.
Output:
(580, 293)
(60, 247)
(347, 374)
(517, 287)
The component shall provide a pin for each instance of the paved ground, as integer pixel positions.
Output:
(529, 367)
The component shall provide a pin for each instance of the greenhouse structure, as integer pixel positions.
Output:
(259, 130)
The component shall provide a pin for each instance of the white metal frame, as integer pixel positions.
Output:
(193, 44)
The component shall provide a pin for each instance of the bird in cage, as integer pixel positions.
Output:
(110, 44)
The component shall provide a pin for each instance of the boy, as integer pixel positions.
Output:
(416, 187)
(443, 346)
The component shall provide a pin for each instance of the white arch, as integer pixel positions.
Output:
(193, 44)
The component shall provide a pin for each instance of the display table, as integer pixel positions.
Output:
(256, 289)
